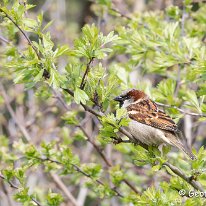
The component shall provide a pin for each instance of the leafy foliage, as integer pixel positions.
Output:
(162, 53)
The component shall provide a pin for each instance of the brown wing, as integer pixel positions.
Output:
(147, 112)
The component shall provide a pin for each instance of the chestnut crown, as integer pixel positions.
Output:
(132, 94)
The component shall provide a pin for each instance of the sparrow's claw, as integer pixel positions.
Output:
(117, 140)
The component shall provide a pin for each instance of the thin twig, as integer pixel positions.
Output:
(78, 169)
(183, 21)
(86, 108)
(181, 45)
(129, 184)
(82, 85)
(121, 14)
(189, 180)
(9, 182)
(15, 187)
(46, 73)
(4, 40)
(23, 32)
(23, 130)
(7, 193)
(181, 110)
(117, 11)
(59, 97)
(108, 163)
(62, 186)
(177, 81)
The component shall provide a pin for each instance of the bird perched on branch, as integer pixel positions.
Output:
(148, 124)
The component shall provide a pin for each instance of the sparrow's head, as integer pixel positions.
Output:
(130, 97)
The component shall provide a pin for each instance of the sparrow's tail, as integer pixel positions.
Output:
(187, 151)
(176, 142)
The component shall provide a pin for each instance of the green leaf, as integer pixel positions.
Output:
(167, 87)
(80, 96)
(23, 196)
(156, 168)
(117, 175)
(91, 43)
(104, 2)
(191, 97)
(54, 199)
(39, 76)
(30, 23)
(70, 118)
(94, 170)
(120, 113)
(47, 25)
(48, 44)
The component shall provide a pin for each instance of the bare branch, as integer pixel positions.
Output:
(23, 130)
(62, 186)
(108, 163)
(4, 40)
(59, 97)
(184, 14)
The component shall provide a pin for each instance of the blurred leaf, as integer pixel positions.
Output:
(80, 96)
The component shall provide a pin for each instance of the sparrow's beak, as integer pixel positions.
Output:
(118, 99)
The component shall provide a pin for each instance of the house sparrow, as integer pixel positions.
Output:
(148, 124)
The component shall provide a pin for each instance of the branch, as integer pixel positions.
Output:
(9, 182)
(7, 193)
(23, 130)
(82, 85)
(86, 108)
(15, 187)
(189, 180)
(59, 97)
(4, 40)
(78, 169)
(183, 21)
(62, 186)
(181, 110)
(46, 73)
(121, 14)
(108, 163)
(23, 32)
(193, 183)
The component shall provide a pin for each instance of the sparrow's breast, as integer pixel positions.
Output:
(147, 134)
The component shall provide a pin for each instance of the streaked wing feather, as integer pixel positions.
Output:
(147, 112)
